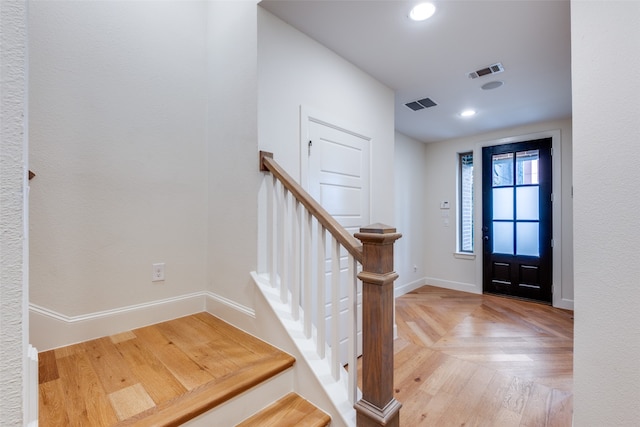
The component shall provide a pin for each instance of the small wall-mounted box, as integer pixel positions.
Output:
(444, 205)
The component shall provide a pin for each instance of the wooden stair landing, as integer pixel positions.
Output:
(162, 375)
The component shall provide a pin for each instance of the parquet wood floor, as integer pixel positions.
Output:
(479, 360)
(460, 359)
(159, 375)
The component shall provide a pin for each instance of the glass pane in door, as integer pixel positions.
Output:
(528, 203)
(527, 239)
(527, 167)
(503, 203)
(503, 237)
(502, 166)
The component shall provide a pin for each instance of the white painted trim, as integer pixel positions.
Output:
(109, 313)
(50, 329)
(241, 407)
(464, 255)
(240, 316)
(564, 303)
(408, 287)
(215, 299)
(31, 381)
(556, 146)
(456, 286)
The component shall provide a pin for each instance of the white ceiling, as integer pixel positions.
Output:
(432, 58)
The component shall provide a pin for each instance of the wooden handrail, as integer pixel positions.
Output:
(353, 246)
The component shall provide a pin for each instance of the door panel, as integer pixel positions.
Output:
(339, 173)
(517, 229)
(339, 181)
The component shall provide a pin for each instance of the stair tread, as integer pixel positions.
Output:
(291, 410)
(162, 374)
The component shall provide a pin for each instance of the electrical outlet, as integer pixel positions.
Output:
(415, 268)
(157, 272)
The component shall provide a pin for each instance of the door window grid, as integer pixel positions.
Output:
(516, 203)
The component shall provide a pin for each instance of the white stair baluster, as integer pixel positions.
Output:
(308, 282)
(295, 264)
(286, 247)
(335, 309)
(271, 243)
(353, 330)
(321, 275)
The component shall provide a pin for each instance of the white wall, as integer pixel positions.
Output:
(410, 179)
(232, 140)
(13, 161)
(443, 267)
(296, 71)
(145, 144)
(118, 145)
(144, 139)
(605, 60)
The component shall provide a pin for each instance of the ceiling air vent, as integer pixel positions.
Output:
(421, 104)
(491, 69)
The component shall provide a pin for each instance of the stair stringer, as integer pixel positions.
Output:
(312, 375)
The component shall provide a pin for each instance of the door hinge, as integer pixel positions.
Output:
(552, 151)
(309, 147)
(552, 242)
(552, 198)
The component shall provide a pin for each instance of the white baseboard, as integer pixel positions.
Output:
(31, 388)
(566, 304)
(49, 329)
(456, 286)
(408, 287)
(563, 303)
(238, 315)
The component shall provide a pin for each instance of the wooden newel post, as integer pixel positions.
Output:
(377, 407)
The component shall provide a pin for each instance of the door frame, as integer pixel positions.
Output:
(556, 170)
(544, 261)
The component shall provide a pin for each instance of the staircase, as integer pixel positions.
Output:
(200, 371)
(312, 266)
(195, 370)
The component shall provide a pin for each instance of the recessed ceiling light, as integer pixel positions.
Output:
(468, 113)
(492, 85)
(422, 11)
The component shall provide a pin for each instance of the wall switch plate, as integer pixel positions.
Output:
(444, 205)
(157, 272)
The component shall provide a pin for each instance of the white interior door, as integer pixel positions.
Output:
(338, 178)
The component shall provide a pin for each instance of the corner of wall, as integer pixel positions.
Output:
(14, 291)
